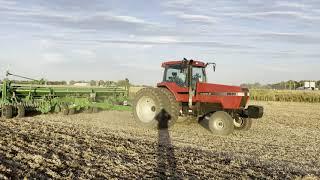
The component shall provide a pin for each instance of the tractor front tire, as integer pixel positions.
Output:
(243, 124)
(7, 111)
(148, 108)
(221, 123)
(21, 111)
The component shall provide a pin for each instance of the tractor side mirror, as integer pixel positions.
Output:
(8, 73)
(213, 66)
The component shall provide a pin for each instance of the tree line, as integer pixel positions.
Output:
(73, 82)
(289, 85)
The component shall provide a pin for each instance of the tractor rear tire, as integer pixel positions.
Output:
(221, 123)
(171, 106)
(148, 109)
(243, 124)
(21, 111)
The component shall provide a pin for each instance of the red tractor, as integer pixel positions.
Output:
(184, 92)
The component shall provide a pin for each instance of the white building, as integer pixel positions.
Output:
(82, 84)
(310, 85)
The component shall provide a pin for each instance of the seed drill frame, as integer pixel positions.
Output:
(17, 99)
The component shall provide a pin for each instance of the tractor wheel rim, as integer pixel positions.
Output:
(239, 122)
(219, 124)
(146, 109)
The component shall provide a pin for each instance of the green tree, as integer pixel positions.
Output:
(123, 82)
(102, 83)
(318, 84)
(72, 82)
(93, 83)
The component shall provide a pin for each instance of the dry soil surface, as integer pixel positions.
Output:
(284, 144)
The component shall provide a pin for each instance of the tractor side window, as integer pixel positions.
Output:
(174, 74)
(198, 75)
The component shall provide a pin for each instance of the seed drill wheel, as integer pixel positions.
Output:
(7, 111)
(57, 108)
(88, 110)
(95, 109)
(65, 110)
(72, 111)
(21, 111)
(243, 124)
(221, 123)
(148, 108)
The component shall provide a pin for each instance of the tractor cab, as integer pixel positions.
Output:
(185, 73)
(187, 80)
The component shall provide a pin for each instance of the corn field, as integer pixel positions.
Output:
(285, 95)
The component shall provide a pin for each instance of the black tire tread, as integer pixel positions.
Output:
(247, 124)
(171, 105)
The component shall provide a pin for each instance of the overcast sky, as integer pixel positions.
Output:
(251, 41)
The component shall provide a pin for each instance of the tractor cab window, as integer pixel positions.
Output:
(198, 75)
(175, 74)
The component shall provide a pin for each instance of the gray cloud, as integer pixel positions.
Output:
(97, 21)
(290, 38)
(193, 18)
(183, 43)
(79, 36)
(304, 10)
(80, 19)
(275, 14)
(153, 41)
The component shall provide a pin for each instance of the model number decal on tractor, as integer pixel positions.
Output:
(223, 94)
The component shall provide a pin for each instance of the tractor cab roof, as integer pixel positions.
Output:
(194, 63)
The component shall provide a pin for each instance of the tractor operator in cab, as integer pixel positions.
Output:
(175, 78)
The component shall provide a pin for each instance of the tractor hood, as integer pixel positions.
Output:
(219, 88)
(230, 96)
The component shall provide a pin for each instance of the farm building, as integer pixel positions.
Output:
(82, 84)
(309, 85)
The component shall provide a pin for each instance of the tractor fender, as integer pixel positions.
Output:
(174, 89)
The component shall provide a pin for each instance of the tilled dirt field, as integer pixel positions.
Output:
(285, 144)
